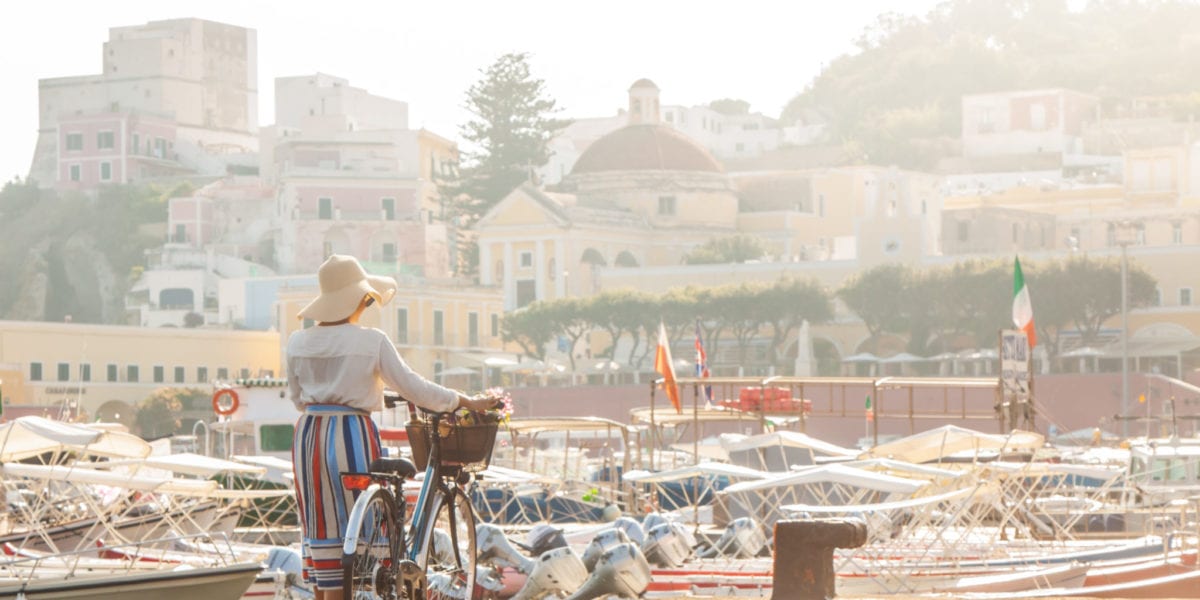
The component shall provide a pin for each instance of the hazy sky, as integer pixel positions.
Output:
(429, 53)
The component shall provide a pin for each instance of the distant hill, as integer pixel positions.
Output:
(896, 99)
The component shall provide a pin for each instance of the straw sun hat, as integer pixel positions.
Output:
(343, 284)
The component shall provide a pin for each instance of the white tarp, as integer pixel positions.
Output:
(879, 506)
(835, 473)
(81, 475)
(790, 439)
(951, 439)
(189, 464)
(26, 437)
(698, 470)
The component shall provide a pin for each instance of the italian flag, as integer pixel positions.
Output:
(1022, 310)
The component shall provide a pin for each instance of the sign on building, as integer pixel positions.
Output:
(1014, 363)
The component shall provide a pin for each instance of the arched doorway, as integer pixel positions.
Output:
(625, 259)
(116, 411)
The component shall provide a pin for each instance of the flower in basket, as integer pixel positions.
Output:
(464, 416)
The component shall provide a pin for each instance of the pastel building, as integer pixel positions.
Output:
(1026, 122)
(104, 371)
(351, 178)
(190, 82)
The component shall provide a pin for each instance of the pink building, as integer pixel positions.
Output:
(114, 147)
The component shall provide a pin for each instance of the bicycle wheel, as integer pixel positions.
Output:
(450, 554)
(372, 548)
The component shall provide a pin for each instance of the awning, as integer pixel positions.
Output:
(1147, 347)
(482, 359)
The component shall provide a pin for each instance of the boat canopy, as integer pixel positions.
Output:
(538, 425)
(665, 415)
(899, 466)
(948, 440)
(697, 470)
(879, 506)
(190, 464)
(26, 437)
(833, 473)
(81, 475)
(736, 443)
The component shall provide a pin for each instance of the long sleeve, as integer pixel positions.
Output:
(400, 377)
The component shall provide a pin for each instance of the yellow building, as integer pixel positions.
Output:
(436, 326)
(103, 371)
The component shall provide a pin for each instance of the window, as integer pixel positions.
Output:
(180, 234)
(389, 209)
(439, 333)
(176, 299)
(401, 325)
(201, 374)
(495, 325)
(1112, 234)
(526, 259)
(159, 376)
(964, 231)
(244, 373)
(552, 269)
(325, 209)
(891, 208)
(666, 205)
(473, 329)
(1185, 296)
(104, 140)
(135, 144)
(277, 438)
(75, 173)
(820, 205)
(64, 371)
(35, 371)
(1016, 233)
(1037, 117)
(131, 373)
(389, 252)
(1177, 233)
(327, 249)
(105, 171)
(74, 142)
(111, 375)
(1139, 234)
(222, 374)
(85, 372)
(179, 375)
(739, 147)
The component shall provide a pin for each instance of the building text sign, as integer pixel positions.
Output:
(1014, 362)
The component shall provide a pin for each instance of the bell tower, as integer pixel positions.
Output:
(643, 103)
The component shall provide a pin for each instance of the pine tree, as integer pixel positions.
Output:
(507, 138)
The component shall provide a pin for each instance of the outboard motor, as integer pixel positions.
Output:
(494, 548)
(542, 538)
(441, 547)
(557, 571)
(632, 528)
(600, 543)
(621, 571)
(288, 566)
(652, 520)
(443, 586)
(742, 538)
(667, 545)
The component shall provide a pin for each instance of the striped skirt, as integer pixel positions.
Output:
(330, 440)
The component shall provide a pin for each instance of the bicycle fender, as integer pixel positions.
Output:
(354, 522)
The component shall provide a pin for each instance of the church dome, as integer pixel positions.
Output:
(645, 147)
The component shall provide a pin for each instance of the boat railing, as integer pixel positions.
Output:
(170, 552)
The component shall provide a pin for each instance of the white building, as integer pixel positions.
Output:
(200, 74)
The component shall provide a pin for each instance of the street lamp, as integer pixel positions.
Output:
(1123, 240)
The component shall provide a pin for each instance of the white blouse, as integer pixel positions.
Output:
(349, 364)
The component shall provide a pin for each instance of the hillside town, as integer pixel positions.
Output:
(1046, 174)
(927, 331)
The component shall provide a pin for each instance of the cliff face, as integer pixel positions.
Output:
(63, 257)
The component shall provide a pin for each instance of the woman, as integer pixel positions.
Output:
(337, 371)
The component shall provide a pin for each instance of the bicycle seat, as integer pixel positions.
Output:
(400, 466)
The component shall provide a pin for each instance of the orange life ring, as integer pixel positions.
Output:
(233, 402)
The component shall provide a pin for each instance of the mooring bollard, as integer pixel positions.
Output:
(804, 556)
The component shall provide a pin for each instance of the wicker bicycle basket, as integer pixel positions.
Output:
(468, 447)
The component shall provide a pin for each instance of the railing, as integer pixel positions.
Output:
(137, 556)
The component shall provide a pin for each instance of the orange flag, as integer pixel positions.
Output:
(663, 364)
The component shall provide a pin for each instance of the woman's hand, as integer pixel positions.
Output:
(478, 403)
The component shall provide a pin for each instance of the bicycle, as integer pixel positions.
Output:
(380, 559)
